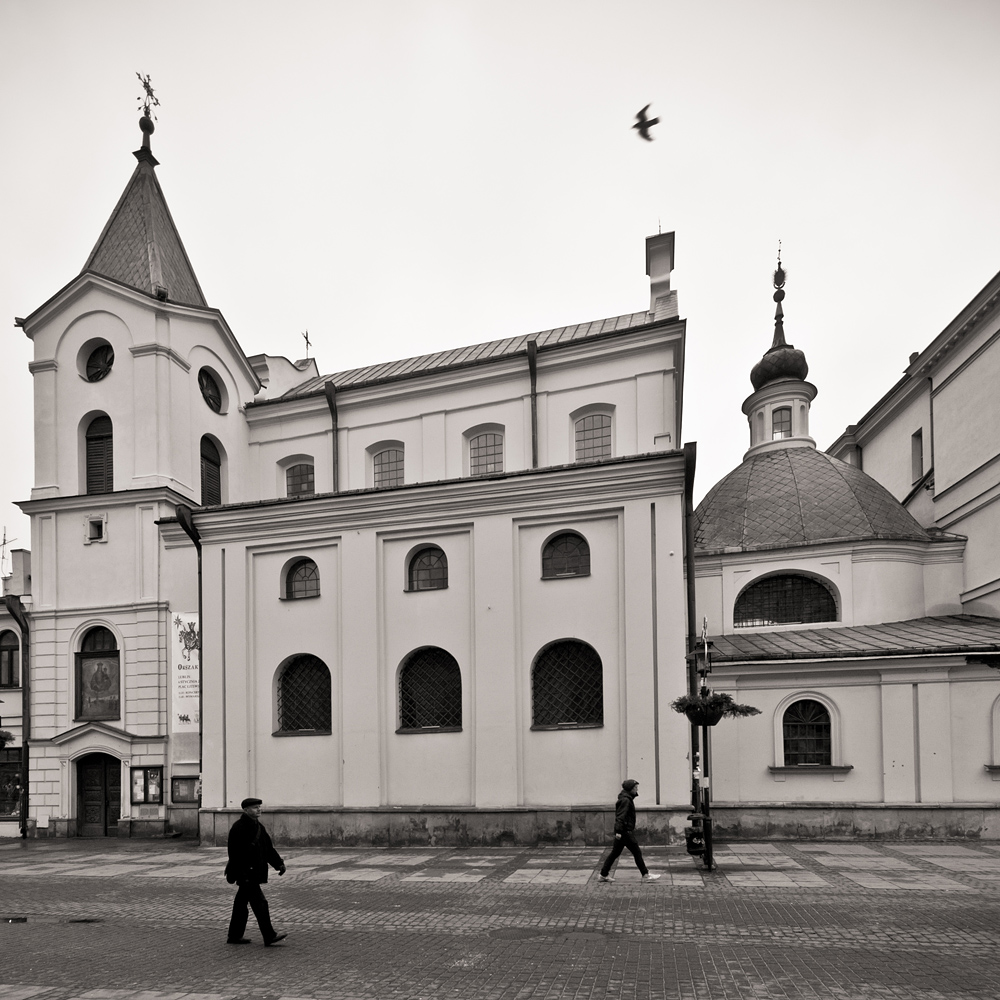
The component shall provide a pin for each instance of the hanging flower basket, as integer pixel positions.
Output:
(708, 708)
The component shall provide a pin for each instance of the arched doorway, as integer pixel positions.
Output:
(99, 795)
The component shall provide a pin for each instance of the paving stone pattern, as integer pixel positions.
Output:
(99, 920)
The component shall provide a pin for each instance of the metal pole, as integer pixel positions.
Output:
(706, 806)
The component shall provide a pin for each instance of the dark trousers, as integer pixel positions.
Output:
(626, 840)
(250, 893)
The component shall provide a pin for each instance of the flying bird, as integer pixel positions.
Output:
(643, 124)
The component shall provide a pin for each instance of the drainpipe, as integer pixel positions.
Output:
(331, 400)
(186, 520)
(690, 457)
(533, 373)
(16, 610)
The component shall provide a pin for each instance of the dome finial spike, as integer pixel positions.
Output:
(779, 294)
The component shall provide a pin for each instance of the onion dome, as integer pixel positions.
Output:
(781, 360)
(798, 496)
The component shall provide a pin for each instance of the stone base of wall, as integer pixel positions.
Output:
(467, 827)
(855, 821)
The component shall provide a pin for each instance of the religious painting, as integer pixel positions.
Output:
(98, 687)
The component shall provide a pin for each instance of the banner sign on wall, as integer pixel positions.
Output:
(185, 672)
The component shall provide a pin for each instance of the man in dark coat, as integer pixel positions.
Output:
(625, 833)
(250, 852)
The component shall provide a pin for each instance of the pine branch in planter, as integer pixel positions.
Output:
(713, 703)
(6, 736)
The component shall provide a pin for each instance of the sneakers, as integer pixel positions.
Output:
(607, 878)
(650, 877)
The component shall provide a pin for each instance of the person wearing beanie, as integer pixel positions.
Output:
(625, 833)
(250, 852)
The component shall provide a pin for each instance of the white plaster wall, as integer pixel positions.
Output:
(886, 449)
(888, 584)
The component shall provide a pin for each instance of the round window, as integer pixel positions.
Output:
(210, 390)
(100, 362)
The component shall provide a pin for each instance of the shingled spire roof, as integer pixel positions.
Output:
(140, 246)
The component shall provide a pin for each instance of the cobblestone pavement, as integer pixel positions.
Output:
(104, 920)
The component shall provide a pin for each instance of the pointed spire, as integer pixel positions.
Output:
(140, 246)
(779, 294)
(781, 360)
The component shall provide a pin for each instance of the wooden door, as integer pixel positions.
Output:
(99, 780)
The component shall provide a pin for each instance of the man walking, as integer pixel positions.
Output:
(625, 832)
(250, 852)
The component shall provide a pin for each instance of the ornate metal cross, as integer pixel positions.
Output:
(151, 101)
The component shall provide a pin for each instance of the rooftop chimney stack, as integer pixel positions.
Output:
(659, 264)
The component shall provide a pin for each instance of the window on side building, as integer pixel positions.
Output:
(304, 692)
(100, 456)
(784, 599)
(10, 660)
(567, 686)
(430, 692)
(807, 734)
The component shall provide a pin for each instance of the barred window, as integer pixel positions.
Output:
(430, 691)
(806, 734)
(300, 480)
(567, 686)
(428, 570)
(302, 580)
(486, 454)
(593, 437)
(789, 599)
(781, 423)
(211, 473)
(100, 456)
(210, 390)
(387, 466)
(565, 555)
(304, 696)
(100, 362)
(10, 660)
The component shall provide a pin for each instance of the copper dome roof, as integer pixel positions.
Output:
(798, 496)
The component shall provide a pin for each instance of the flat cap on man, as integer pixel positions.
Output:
(250, 802)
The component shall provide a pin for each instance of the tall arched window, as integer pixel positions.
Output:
(304, 696)
(387, 467)
(300, 480)
(430, 691)
(10, 660)
(485, 454)
(787, 599)
(567, 686)
(807, 735)
(781, 423)
(593, 437)
(98, 683)
(100, 456)
(567, 554)
(302, 580)
(428, 570)
(211, 473)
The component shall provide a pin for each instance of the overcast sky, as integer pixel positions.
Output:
(400, 177)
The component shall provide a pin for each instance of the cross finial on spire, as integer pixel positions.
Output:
(151, 100)
(147, 103)
(305, 337)
(779, 294)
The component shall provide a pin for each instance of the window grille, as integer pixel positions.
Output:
(100, 456)
(565, 555)
(10, 659)
(388, 467)
(784, 600)
(593, 437)
(211, 474)
(806, 732)
(302, 580)
(300, 480)
(567, 686)
(781, 423)
(430, 691)
(99, 640)
(210, 390)
(304, 696)
(100, 362)
(428, 570)
(486, 454)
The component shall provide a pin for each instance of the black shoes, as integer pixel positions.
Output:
(275, 939)
(237, 941)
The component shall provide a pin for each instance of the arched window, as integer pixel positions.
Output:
(428, 570)
(300, 480)
(304, 696)
(387, 468)
(567, 554)
(788, 599)
(485, 454)
(100, 456)
(781, 423)
(98, 684)
(10, 660)
(593, 436)
(211, 473)
(430, 691)
(210, 390)
(302, 580)
(567, 686)
(807, 735)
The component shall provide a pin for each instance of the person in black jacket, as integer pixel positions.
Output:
(625, 833)
(250, 852)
